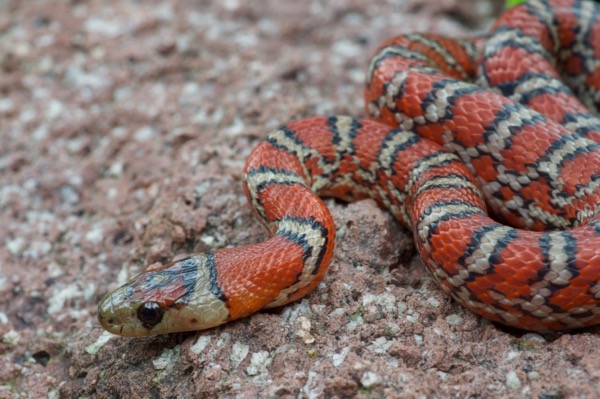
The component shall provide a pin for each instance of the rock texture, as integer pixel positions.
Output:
(124, 127)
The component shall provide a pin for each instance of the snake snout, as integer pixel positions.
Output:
(115, 312)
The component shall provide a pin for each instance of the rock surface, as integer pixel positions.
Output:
(124, 128)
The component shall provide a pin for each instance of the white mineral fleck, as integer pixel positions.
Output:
(259, 362)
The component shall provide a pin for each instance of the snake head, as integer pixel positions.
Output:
(179, 296)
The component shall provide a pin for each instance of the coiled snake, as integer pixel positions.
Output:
(438, 152)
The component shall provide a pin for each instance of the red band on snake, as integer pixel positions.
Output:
(438, 152)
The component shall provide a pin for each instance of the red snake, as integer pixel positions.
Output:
(438, 152)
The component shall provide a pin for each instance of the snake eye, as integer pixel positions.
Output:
(150, 313)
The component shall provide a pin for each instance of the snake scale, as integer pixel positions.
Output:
(485, 148)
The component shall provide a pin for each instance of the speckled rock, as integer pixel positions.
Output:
(124, 127)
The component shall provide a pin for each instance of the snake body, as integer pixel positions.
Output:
(438, 152)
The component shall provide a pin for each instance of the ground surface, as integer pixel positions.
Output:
(124, 130)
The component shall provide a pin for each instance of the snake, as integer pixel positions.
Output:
(485, 148)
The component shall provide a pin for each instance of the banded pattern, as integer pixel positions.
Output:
(519, 144)
(537, 171)
(553, 70)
